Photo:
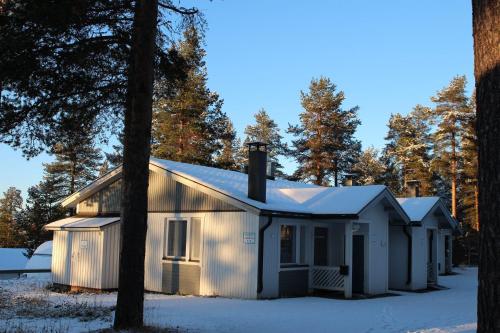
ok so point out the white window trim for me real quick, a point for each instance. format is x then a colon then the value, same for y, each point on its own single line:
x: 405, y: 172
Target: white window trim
x: 187, y: 258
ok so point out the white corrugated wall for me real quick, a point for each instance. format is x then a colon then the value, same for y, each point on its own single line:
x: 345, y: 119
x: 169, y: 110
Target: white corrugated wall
x: 154, y: 252
x: 86, y: 259
x: 61, y: 257
x: 111, y: 251
x: 228, y: 265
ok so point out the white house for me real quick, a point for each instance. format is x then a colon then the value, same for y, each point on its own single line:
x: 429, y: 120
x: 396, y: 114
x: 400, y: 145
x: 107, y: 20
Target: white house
x: 423, y: 250
x: 226, y: 233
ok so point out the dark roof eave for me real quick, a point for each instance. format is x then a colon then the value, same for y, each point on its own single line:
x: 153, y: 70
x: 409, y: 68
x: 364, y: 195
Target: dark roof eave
x: 274, y: 213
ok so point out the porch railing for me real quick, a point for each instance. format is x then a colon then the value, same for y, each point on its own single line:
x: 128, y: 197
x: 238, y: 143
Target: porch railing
x: 327, y: 277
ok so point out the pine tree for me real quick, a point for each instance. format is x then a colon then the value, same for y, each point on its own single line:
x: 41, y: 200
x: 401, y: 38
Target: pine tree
x: 228, y: 156
x: 325, y: 146
x: 77, y: 162
x: 485, y: 23
x: 10, y: 205
x: 369, y: 169
x: 265, y: 130
x: 452, y: 108
x: 42, y: 207
x: 94, y: 60
x: 115, y: 157
x: 407, y: 153
x: 469, y: 194
x: 188, y: 122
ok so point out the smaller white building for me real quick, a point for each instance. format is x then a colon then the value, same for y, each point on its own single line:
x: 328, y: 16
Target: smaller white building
x: 85, y: 252
x: 41, y: 259
x: 422, y: 251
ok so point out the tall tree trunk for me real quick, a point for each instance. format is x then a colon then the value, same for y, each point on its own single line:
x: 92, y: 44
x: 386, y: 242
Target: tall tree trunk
x: 476, y: 207
x: 130, y: 302
x: 453, y: 175
x: 486, y: 31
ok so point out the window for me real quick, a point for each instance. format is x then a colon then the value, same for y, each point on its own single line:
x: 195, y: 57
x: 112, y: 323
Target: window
x: 293, y: 244
x: 176, y: 238
x: 183, y: 239
x: 194, y: 241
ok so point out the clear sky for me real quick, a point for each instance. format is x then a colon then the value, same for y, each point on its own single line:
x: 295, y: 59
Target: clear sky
x: 386, y: 56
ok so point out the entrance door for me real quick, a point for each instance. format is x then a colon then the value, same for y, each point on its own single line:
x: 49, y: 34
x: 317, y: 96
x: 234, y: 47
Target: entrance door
x: 320, y: 246
x: 358, y: 264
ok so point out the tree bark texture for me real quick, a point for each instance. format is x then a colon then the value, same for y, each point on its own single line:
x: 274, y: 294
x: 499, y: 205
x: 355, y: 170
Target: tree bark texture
x: 486, y: 31
x: 137, y: 138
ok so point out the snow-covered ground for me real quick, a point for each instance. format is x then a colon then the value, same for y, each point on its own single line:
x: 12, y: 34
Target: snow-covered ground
x: 451, y: 310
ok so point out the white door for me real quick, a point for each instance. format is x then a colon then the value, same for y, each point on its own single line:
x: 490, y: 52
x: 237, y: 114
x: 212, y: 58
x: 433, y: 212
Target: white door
x: 75, y: 256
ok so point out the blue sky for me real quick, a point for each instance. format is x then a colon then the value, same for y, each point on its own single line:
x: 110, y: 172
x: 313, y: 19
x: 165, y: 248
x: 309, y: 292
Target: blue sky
x: 386, y: 56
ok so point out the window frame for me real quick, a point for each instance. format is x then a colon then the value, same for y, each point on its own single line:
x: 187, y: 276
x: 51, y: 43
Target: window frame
x: 299, y: 228
x: 187, y: 254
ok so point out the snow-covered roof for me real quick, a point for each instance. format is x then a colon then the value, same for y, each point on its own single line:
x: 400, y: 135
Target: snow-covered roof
x: 12, y: 258
x: 81, y: 223
x: 44, y: 249
x: 417, y: 208
x: 281, y: 195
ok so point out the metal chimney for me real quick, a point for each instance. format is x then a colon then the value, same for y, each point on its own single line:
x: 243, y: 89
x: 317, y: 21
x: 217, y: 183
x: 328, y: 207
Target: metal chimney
x: 257, y: 165
x: 413, y: 188
x: 271, y: 170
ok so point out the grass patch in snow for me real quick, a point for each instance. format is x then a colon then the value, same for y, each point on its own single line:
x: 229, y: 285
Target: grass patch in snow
x: 38, y: 306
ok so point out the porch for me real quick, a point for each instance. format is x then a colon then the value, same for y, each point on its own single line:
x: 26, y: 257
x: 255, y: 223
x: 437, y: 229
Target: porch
x: 329, y: 255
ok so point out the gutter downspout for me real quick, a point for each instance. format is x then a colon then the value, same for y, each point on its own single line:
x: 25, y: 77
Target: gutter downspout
x: 410, y: 245
x: 260, y: 284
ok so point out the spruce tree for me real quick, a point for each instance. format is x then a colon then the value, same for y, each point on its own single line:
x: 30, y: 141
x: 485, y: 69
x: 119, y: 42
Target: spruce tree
x: 408, y: 150
x: 10, y: 206
x: 325, y: 146
x: 188, y: 123
x: 265, y: 130
x: 369, y: 169
x: 452, y: 108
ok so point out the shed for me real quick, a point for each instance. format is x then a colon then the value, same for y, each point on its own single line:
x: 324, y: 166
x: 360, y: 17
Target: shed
x: 86, y: 252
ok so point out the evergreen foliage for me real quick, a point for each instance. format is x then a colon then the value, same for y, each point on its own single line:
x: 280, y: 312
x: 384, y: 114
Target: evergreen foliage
x: 325, y: 146
x: 451, y: 110
x: 229, y: 156
x: 10, y: 206
x: 469, y: 193
x: 407, y: 153
x: 77, y: 162
x: 369, y: 169
x: 42, y: 207
x: 188, y: 123
x: 265, y: 130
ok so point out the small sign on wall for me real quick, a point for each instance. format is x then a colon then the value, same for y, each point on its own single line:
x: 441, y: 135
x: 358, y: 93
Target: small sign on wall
x: 249, y: 237
x: 84, y: 244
